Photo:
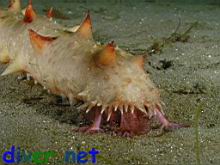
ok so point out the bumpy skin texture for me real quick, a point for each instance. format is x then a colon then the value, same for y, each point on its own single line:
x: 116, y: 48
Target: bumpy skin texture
x: 14, y: 30
x: 110, y: 82
x: 124, y: 83
x: 70, y: 66
x: 14, y: 33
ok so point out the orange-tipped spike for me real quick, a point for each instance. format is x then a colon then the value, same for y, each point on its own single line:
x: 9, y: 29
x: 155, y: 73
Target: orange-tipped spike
x: 107, y: 56
x: 38, y: 41
x: 85, y: 28
x: 14, y: 6
x: 139, y: 60
x: 30, y: 14
x: 50, y: 13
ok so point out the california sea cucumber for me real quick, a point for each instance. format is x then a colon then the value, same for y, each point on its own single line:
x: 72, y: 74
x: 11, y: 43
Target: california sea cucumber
x: 111, y: 83
x: 14, y: 30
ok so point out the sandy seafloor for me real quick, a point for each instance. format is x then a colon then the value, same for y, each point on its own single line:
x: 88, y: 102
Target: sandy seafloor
x: 189, y: 84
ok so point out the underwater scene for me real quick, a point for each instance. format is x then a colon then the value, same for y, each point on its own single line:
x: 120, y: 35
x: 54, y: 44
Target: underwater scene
x: 110, y: 82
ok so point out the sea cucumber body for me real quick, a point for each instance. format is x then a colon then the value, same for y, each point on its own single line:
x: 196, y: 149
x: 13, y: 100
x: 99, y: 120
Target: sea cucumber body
x: 67, y: 67
x: 14, y: 34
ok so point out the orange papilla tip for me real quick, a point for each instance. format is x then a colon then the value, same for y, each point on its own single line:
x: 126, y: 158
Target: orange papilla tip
x: 10, y: 4
x: 50, y: 13
x: 107, y: 56
x: 30, y: 2
x: 111, y: 47
x: 85, y: 28
x: 88, y: 20
x: 30, y: 14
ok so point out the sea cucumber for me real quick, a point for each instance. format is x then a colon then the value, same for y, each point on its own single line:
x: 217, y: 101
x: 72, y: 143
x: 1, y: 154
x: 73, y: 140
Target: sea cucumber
x: 111, y: 83
x: 14, y: 30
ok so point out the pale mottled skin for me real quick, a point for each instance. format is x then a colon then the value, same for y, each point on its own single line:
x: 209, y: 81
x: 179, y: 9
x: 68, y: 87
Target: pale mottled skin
x: 67, y: 67
x: 14, y: 33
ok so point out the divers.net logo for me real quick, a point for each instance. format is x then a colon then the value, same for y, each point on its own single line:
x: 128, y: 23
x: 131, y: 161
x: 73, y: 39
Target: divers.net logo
x: 19, y: 156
